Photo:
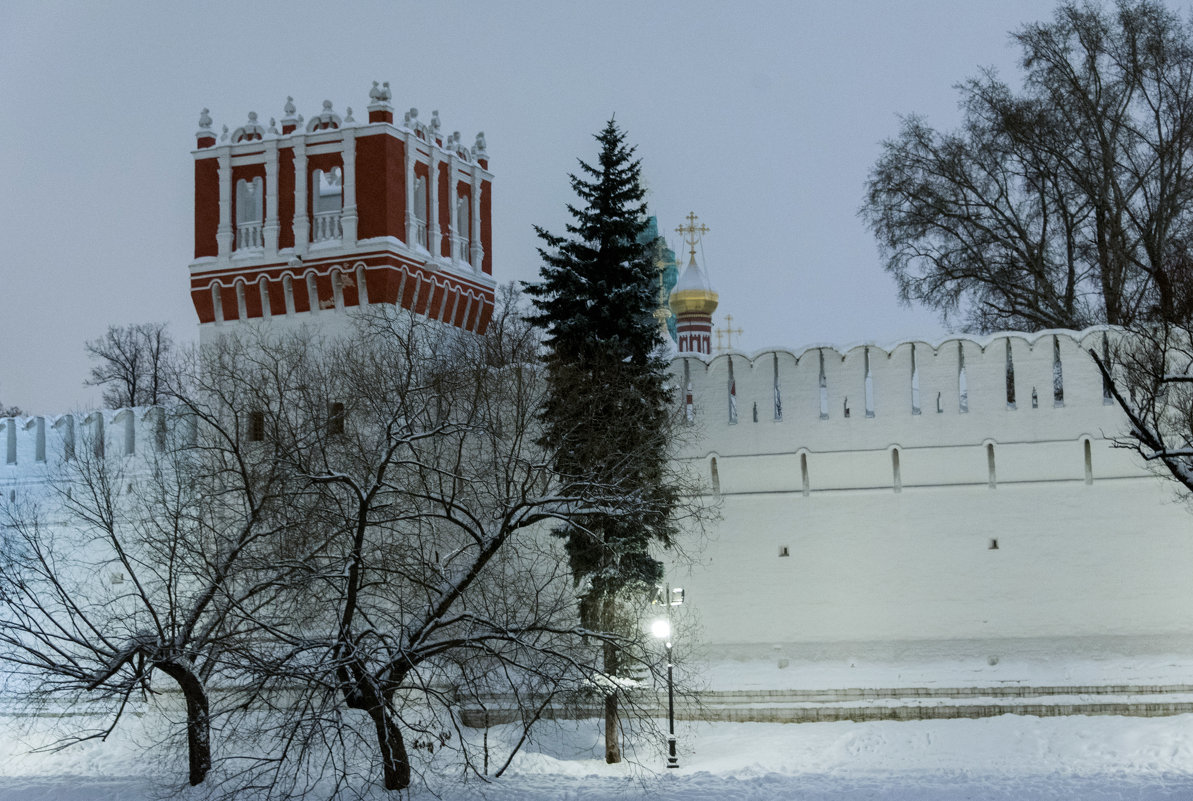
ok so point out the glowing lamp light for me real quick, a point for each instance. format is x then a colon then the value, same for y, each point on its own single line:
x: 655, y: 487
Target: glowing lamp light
x: 661, y: 628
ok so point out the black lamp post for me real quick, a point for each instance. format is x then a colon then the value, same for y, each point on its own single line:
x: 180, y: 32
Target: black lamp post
x: 662, y: 629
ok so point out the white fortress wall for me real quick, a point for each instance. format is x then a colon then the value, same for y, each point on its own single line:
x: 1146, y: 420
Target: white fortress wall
x: 961, y: 521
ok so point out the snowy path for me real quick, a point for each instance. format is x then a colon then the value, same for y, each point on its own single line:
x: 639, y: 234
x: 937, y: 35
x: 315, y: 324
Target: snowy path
x: 1009, y: 758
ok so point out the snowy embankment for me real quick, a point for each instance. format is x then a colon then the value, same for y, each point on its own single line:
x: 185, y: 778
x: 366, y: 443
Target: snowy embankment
x: 1001, y: 759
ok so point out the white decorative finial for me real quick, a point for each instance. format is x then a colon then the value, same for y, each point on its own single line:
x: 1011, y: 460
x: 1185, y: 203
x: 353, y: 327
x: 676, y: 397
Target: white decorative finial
x: 375, y: 93
x: 435, y: 121
x: 386, y: 94
x: 251, y: 131
x: 325, y: 120
x: 205, y: 119
x: 273, y: 125
x: 289, y: 108
x: 348, y: 115
x: 478, y: 149
x: 224, y: 136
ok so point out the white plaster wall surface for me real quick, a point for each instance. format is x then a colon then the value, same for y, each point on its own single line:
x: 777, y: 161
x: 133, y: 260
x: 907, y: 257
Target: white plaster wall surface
x: 1087, y: 547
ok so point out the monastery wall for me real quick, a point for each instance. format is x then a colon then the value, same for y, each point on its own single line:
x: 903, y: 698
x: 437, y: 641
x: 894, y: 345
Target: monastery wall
x: 934, y: 508
x: 31, y: 446
x: 973, y: 519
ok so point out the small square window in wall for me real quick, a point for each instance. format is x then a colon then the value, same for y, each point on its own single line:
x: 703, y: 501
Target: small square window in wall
x: 784, y: 551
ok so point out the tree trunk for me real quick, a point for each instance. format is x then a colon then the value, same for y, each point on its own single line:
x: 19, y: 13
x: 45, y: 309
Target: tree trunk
x: 612, y: 664
x: 361, y: 693
x: 198, y: 720
x: 612, y: 730
x: 395, y: 762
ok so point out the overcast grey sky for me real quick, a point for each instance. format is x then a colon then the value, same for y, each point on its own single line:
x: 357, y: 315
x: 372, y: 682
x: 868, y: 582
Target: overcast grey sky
x: 762, y: 117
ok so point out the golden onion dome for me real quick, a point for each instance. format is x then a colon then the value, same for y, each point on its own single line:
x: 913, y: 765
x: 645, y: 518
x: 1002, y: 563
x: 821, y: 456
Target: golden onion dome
x: 692, y: 294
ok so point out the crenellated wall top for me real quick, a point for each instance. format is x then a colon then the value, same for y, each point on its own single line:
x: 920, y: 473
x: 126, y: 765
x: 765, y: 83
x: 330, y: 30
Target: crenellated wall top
x: 958, y: 389
x: 1086, y: 338
x: 31, y: 445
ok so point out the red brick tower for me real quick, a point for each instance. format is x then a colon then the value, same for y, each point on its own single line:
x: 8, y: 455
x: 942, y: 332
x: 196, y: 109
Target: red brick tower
x: 336, y: 213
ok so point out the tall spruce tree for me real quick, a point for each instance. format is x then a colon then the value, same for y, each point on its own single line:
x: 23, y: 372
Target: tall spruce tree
x: 607, y: 414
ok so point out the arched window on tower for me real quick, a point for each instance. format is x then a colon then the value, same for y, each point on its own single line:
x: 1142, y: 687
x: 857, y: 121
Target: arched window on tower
x: 250, y: 213
x: 420, y: 211
x: 328, y: 202
x: 464, y: 232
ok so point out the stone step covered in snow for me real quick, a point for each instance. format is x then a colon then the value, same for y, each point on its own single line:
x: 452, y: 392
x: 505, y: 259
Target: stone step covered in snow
x: 870, y: 704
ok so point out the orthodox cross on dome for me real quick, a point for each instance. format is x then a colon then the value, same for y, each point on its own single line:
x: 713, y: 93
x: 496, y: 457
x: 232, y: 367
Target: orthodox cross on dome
x: 692, y: 233
x: 727, y: 333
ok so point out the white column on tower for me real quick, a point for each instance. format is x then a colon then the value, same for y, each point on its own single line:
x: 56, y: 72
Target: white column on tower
x: 433, y: 243
x: 478, y: 252
x: 272, y: 226
x: 223, y: 236
x: 452, y: 216
x: 302, y: 223
x: 348, y: 217
x: 411, y: 224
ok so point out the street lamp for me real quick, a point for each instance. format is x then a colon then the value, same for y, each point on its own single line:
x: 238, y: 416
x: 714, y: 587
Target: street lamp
x: 661, y: 628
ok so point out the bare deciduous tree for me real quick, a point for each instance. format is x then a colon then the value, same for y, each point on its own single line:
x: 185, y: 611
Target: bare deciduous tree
x: 1063, y: 204
x: 353, y: 542
x: 126, y: 566
x: 132, y: 364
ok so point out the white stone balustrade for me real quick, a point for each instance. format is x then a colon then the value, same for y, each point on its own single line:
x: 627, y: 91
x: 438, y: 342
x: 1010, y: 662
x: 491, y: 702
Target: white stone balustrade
x: 250, y: 236
x: 326, y: 226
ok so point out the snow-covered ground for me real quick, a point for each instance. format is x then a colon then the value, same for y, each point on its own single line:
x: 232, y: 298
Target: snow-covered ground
x: 1008, y: 758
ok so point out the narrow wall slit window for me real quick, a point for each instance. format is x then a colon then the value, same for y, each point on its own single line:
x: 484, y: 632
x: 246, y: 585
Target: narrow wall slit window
x: 778, y: 390
x: 715, y: 476
x: 823, y: 389
x: 732, y: 393
x: 1058, y: 378
x: 806, y: 485
x: 1107, y: 395
x: 915, y: 383
x: 962, y: 380
x: 1089, y: 462
x: 897, y: 473
x: 869, y: 384
x: 992, y: 479
x: 1010, y: 377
